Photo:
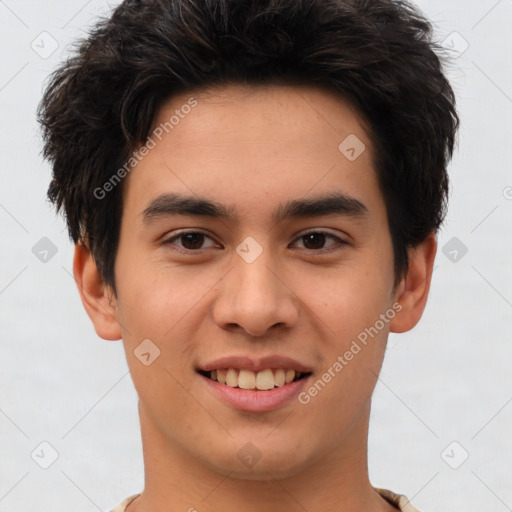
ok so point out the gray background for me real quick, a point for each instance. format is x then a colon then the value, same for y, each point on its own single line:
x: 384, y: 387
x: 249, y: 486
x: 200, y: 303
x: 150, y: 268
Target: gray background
x: 445, y: 391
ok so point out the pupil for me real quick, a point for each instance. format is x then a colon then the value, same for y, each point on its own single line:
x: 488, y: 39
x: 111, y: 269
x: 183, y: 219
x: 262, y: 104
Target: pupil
x: 315, y: 239
x: 192, y: 240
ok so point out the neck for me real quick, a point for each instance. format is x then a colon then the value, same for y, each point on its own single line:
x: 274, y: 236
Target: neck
x: 175, y: 480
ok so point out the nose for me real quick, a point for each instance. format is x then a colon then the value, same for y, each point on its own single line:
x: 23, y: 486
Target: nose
x: 255, y: 298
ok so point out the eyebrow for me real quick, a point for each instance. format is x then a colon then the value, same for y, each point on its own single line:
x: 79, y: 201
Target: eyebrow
x: 329, y: 204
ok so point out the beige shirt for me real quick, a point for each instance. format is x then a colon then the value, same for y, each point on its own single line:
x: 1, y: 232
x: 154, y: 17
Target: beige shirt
x: 398, y: 500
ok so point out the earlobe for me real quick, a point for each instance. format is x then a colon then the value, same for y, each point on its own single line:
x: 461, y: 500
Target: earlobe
x: 96, y: 296
x: 412, y: 292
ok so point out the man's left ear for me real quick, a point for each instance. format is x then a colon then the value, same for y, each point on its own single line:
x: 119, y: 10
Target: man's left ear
x: 412, y: 292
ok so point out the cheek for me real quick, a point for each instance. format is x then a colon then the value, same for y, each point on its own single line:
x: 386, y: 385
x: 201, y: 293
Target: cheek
x: 347, y: 299
x: 169, y: 308
x: 352, y: 347
x: 349, y: 303
x: 156, y: 307
x: 154, y: 296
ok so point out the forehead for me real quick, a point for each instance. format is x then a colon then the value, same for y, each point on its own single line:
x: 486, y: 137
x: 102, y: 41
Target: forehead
x: 253, y: 145
x: 301, y: 115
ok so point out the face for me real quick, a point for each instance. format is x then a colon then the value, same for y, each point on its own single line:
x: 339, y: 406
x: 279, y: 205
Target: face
x: 255, y: 251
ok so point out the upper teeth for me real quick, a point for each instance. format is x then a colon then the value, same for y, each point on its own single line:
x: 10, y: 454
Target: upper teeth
x: 246, y: 379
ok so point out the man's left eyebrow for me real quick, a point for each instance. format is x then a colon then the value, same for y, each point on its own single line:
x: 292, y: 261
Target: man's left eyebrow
x: 332, y: 204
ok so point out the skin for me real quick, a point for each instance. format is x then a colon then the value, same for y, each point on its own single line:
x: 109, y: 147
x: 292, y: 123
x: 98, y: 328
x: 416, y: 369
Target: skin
x: 250, y: 149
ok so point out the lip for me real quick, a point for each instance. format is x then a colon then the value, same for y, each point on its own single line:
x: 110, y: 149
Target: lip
x: 255, y: 365
x: 255, y: 401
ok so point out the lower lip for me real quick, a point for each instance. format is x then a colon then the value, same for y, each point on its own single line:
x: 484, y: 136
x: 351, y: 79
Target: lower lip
x: 255, y: 401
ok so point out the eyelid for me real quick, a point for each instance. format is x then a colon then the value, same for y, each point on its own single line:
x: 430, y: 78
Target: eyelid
x: 168, y: 240
x: 322, y: 231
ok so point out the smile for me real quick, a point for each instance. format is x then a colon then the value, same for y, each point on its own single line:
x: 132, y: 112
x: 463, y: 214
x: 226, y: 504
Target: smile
x: 263, y: 380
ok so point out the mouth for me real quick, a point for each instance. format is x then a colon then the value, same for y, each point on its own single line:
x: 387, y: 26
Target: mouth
x: 264, y: 380
x: 258, y: 385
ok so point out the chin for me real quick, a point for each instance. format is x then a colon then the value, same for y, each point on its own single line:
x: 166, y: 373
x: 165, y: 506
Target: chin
x: 263, y: 465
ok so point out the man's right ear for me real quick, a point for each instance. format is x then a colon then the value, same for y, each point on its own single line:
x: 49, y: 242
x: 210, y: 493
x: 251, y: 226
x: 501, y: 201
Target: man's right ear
x: 97, y: 297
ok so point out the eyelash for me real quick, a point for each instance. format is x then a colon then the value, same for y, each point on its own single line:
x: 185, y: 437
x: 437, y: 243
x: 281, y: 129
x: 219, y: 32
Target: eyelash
x: 340, y: 242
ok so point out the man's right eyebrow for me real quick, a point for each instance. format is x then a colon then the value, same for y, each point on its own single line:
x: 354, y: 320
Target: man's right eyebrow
x: 177, y: 204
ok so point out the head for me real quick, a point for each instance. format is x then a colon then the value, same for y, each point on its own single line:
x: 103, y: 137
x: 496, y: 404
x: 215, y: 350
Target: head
x: 313, y: 136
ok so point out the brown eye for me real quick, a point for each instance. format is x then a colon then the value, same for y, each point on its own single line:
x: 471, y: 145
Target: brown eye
x: 319, y: 241
x: 191, y: 241
x: 314, y: 240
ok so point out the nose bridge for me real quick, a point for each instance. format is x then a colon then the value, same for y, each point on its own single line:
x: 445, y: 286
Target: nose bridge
x: 254, y: 297
x: 256, y: 282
